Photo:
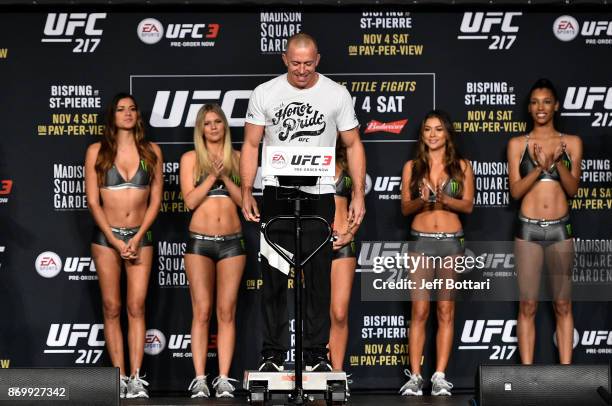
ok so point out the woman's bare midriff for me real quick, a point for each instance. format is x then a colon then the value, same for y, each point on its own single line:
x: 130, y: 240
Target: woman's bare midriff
x: 436, y: 221
x: 215, y: 216
x: 124, y: 207
x: 546, y: 200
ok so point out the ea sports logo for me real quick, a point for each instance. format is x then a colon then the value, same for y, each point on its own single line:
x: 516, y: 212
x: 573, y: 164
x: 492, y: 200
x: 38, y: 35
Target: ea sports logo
x: 565, y: 28
x: 575, y: 340
x: 155, y: 342
x: 48, y: 264
x: 279, y: 160
x: 150, y: 31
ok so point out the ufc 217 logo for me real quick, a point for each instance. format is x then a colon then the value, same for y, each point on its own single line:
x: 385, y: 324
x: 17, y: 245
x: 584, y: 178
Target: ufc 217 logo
x: 583, y: 100
x: 481, y: 25
x: 85, y: 339
x: 479, y: 334
x: 82, y: 29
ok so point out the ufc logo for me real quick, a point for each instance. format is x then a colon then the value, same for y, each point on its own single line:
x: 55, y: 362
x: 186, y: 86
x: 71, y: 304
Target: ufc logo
x: 483, y: 331
x: 311, y: 159
x: 192, y: 101
x: 373, y: 249
x: 179, y: 341
x: 584, y: 98
x: 387, y: 183
x: 596, y: 28
x: 78, y: 264
x: 596, y: 337
x: 68, y: 335
x: 481, y: 22
x: 6, y: 186
x: 505, y: 260
x: 195, y: 31
x: 64, y: 24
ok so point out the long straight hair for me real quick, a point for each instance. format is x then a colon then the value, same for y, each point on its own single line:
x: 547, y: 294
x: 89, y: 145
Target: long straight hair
x: 452, y: 160
x: 203, y: 161
x: 108, y: 144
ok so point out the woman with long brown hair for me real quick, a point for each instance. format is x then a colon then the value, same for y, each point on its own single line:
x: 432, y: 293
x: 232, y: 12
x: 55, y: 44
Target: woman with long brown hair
x: 215, y: 254
x: 544, y: 171
x: 436, y: 186
x: 123, y: 182
x: 344, y: 261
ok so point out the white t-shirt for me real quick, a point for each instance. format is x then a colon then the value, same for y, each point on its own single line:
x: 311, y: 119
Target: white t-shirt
x: 302, y: 117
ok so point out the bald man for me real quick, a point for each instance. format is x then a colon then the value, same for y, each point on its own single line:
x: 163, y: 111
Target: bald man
x: 299, y: 108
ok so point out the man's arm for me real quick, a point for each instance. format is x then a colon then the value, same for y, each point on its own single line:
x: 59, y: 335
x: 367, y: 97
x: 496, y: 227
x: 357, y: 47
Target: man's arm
x: 248, y: 169
x: 355, y: 154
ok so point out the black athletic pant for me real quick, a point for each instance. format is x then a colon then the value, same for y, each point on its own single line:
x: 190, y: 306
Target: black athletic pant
x: 316, y: 293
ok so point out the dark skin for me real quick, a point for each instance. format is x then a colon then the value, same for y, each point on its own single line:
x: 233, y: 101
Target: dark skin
x: 543, y: 200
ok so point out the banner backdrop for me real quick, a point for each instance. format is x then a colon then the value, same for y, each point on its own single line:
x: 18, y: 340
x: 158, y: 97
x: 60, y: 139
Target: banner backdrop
x: 59, y: 69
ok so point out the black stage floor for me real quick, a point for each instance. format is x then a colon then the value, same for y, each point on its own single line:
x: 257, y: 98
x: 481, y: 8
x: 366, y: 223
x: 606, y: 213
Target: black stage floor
x: 356, y: 399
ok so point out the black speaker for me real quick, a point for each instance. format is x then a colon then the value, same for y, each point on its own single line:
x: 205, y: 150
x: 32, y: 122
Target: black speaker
x: 542, y: 385
x: 59, y: 386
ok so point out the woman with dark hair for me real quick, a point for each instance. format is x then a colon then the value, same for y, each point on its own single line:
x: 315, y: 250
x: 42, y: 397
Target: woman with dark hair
x: 436, y: 186
x: 215, y: 254
x: 123, y: 182
x: 544, y: 171
x: 344, y: 261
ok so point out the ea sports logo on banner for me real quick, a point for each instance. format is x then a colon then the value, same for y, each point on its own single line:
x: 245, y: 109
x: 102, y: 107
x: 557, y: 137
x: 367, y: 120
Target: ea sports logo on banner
x: 48, y: 264
x: 279, y: 160
x: 155, y: 342
x: 566, y: 28
x: 575, y: 340
x: 150, y: 31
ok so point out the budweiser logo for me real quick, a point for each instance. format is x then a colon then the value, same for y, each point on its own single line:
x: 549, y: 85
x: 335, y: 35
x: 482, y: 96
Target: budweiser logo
x: 394, y: 127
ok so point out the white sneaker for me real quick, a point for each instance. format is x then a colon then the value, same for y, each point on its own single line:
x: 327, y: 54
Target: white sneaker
x: 414, y: 386
x: 136, y: 387
x: 439, y: 385
x: 123, y: 386
x: 199, y: 388
x: 223, y: 387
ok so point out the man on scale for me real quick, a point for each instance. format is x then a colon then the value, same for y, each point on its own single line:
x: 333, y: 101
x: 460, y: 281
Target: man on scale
x: 301, y: 108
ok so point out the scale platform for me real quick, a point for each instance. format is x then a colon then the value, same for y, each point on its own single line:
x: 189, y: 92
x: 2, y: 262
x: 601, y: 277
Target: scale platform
x: 279, y: 386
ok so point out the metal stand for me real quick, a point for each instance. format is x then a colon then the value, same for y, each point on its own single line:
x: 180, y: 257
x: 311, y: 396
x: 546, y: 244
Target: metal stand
x: 262, y: 386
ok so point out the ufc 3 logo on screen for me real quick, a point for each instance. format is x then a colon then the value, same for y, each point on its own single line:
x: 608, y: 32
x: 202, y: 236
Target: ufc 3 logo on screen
x: 498, y: 336
x: 84, y: 339
x: 498, y: 27
x: 589, y: 101
x: 151, y: 31
x: 185, y: 105
x: 299, y: 161
x: 82, y: 29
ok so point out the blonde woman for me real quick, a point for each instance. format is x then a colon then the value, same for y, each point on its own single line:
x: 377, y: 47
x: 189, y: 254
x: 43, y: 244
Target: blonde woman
x: 215, y: 255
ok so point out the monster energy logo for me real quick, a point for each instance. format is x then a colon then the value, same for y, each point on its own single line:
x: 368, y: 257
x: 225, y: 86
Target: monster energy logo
x: 348, y: 182
x: 568, y: 227
x: 454, y: 187
x: 149, y: 236
x: 567, y: 163
x: 236, y: 179
x: 143, y: 164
